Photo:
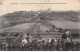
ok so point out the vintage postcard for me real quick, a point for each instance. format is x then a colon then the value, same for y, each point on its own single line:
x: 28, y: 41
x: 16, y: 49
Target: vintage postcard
x: 39, y: 25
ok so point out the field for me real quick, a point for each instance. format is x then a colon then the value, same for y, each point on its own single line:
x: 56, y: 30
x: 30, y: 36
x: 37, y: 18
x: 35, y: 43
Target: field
x: 66, y: 24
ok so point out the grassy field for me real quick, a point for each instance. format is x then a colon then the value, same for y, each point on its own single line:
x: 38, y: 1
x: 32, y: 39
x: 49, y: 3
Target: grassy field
x: 66, y: 24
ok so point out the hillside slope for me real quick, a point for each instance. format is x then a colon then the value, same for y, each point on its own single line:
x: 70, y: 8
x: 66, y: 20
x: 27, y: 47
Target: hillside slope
x: 20, y: 17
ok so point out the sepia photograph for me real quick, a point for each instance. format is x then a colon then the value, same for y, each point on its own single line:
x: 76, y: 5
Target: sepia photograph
x: 39, y: 25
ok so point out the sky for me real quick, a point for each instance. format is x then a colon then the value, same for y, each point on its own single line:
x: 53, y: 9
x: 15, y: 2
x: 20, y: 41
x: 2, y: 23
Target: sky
x: 10, y: 6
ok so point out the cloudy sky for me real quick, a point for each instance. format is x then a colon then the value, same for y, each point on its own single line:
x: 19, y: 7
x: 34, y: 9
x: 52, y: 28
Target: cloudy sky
x: 10, y: 6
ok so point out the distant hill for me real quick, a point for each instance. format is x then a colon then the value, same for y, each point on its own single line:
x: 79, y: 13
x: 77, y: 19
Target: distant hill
x: 20, y: 17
